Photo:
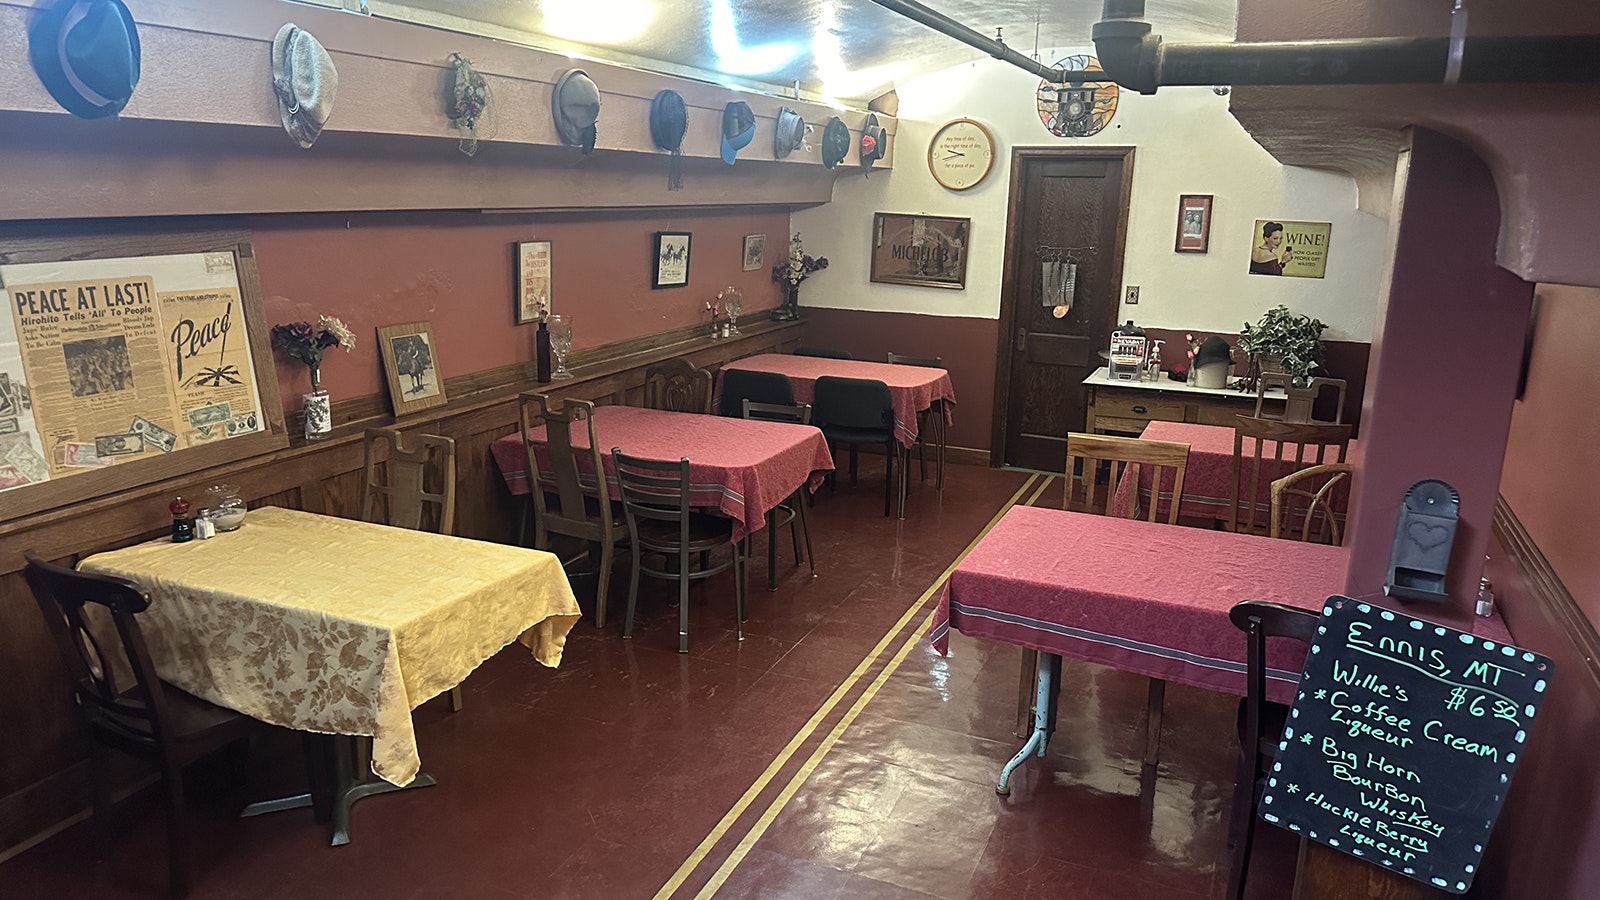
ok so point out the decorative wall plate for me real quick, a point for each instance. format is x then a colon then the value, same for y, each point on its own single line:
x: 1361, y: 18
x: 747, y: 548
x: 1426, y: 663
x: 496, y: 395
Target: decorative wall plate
x: 1077, y: 110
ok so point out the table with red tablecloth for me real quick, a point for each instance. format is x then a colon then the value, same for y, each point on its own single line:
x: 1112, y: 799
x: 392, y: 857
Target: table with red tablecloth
x: 1208, y: 479
x: 912, y: 389
x: 742, y: 467
x: 1144, y: 597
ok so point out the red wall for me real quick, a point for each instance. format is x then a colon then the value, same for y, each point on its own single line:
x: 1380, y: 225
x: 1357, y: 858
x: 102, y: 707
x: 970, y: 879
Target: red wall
x: 455, y: 271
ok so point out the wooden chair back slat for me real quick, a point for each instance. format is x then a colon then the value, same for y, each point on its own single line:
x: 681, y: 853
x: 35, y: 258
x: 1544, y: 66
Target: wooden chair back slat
x: 676, y: 385
x: 417, y: 483
x: 1085, y: 453
x: 1294, y: 446
x: 583, y: 512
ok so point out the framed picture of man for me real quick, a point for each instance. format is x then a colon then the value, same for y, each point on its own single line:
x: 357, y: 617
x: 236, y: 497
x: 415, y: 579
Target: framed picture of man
x: 671, y: 259
x: 411, y: 364
x: 1194, y: 224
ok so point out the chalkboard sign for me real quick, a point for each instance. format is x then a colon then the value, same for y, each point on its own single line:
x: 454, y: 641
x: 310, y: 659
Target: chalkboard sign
x: 1402, y: 740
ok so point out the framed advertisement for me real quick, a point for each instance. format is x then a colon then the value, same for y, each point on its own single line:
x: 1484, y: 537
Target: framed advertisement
x: 671, y: 259
x: 411, y: 366
x: 929, y: 251
x: 755, y: 251
x: 1294, y: 249
x: 1194, y: 224
x: 533, y: 281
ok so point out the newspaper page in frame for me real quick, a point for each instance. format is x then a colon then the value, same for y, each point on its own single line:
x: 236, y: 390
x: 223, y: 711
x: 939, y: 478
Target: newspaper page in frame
x: 121, y: 359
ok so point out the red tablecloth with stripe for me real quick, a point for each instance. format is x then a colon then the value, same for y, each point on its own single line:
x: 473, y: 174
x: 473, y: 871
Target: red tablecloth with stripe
x: 912, y: 389
x: 742, y: 467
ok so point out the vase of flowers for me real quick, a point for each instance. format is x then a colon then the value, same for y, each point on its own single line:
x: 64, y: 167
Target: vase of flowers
x: 305, y: 342
x: 789, y: 273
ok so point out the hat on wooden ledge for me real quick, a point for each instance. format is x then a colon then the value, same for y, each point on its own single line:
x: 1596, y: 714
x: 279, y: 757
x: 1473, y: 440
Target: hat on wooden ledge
x: 788, y: 133
x: 738, y: 129
x: 86, y: 53
x: 874, y: 140
x: 835, y: 142
x: 305, y: 81
x: 669, y: 122
x: 576, y: 104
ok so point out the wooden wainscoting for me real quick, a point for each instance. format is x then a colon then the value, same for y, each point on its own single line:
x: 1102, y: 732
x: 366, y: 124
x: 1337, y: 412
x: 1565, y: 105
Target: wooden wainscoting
x: 41, y: 745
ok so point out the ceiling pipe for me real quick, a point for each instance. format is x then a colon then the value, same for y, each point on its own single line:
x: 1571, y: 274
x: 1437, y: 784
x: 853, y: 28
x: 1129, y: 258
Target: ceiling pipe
x: 1138, y: 60
x: 993, y: 46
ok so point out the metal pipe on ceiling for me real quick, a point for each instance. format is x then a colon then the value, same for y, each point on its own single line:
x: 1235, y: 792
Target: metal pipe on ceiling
x: 993, y: 46
x: 1138, y: 60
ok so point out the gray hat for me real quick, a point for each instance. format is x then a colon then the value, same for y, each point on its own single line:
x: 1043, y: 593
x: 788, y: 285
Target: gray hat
x: 305, y: 81
x: 789, y: 133
x: 576, y: 102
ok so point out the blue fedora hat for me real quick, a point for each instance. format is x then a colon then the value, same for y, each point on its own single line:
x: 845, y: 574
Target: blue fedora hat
x: 86, y: 52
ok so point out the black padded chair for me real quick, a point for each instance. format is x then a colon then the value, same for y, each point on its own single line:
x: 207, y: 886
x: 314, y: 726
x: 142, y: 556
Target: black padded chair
x: 928, y: 420
x: 860, y: 411
x: 147, y: 718
x: 1260, y: 721
x: 655, y: 501
x: 823, y: 352
x: 739, y: 385
x: 792, y: 513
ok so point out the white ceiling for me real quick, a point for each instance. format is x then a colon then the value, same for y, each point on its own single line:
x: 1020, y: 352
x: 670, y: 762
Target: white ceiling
x: 843, y: 49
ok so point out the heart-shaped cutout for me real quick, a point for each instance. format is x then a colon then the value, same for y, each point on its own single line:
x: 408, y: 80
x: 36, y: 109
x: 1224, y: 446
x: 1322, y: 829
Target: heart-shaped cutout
x: 1427, y: 536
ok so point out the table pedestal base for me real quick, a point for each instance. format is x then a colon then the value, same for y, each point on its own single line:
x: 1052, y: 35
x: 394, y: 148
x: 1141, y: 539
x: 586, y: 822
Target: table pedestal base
x: 1044, y: 720
x: 332, y: 761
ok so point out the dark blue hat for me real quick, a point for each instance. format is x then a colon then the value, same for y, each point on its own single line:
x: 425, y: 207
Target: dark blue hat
x: 835, y: 142
x: 86, y: 52
x: 738, y: 129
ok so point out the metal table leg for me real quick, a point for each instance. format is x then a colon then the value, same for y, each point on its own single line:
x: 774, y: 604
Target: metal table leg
x: 1044, y: 720
x: 333, y: 761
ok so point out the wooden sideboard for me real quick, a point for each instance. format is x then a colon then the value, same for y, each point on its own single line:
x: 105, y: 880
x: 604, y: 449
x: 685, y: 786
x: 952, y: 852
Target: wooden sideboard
x: 1125, y: 407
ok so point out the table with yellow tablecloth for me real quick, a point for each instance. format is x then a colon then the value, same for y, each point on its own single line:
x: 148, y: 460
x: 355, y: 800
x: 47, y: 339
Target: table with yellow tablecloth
x: 337, y: 626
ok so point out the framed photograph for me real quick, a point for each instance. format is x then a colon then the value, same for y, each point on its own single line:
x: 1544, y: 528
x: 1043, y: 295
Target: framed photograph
x: 755, y: 251
x: 411, y: 362
x: 1292, y: 249
x: 533, y: 281
x: 930, y: 251
x: 1194, y: 224
x: 672, y: 259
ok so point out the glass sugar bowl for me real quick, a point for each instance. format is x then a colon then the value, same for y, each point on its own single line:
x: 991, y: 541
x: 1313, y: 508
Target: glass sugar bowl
x: 224, y: 507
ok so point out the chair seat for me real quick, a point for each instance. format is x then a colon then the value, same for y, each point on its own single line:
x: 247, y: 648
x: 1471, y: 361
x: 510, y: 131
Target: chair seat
x: 189, y: 718
x: 706, y: 532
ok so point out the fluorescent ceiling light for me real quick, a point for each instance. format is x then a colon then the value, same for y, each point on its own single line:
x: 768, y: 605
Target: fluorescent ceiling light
x: 600, y: 22
x: 736, y: 59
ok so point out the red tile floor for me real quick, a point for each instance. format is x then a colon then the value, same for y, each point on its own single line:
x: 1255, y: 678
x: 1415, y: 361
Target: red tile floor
x: 832, y: 754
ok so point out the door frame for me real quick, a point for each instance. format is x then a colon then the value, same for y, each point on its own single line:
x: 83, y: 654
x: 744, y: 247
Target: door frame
x: 1021, y: 159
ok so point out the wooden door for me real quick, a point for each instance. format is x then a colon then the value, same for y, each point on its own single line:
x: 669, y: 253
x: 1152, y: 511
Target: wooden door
x: 1072, y: 203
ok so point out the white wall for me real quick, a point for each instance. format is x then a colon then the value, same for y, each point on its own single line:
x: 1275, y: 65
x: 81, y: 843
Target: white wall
x: 1187, y: 143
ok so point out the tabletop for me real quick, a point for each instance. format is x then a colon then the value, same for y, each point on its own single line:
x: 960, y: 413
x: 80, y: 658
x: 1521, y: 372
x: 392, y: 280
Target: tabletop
x: 911, y: 388
x: 1208, y: 480
x: 743, y: 467
x: 338, y: 626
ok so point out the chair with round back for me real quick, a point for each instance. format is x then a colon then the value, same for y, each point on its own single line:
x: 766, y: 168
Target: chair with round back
x: 124, y: 703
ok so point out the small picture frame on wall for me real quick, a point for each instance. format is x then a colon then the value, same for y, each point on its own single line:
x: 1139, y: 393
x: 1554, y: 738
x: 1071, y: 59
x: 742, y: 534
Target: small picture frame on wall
x: 533, y: 281
x: 755, y: 251
x: 671, y: 259
x: 411, y: 365
x: 1194, y: 224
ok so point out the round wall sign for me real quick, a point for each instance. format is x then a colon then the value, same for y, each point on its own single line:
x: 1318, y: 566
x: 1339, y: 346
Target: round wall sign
x: 1077, y: 110
x: 960, y: 154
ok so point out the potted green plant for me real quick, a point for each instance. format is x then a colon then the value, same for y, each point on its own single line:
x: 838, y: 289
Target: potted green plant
x: 1284, y: 341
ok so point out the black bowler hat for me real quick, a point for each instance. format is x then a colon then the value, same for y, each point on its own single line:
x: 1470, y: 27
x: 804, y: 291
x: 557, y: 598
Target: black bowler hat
x: 86, y: 52
x: 835, y: 142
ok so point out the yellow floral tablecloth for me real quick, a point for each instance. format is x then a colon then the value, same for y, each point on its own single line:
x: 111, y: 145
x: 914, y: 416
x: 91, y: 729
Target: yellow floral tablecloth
x: 337, y: 626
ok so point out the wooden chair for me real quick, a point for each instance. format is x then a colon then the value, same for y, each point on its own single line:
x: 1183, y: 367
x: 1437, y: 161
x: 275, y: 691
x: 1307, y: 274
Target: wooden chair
x: 1293, y: 446
x: 854, y: 411
x: 656, y: 505
x: 1299, y: 402
x: 147, y: 718
x: 822, y: 352
x: 677, y: 386
x: 1260, y: 722
x: 402, y: 482
x: 1085, y: 453
x: 580, y: 511
x: 930, y: 419
x: 794, y: 511
x: 739, y: 385
x: 1320, y: 521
